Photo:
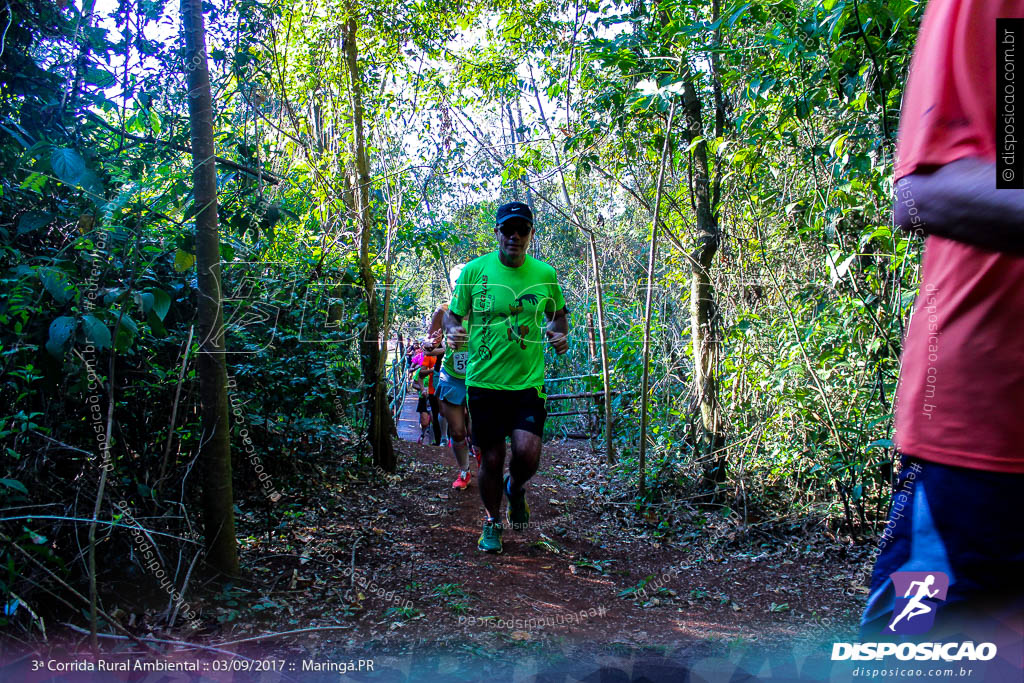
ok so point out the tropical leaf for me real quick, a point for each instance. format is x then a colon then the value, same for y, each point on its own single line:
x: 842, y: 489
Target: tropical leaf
x: 55, y: 283
x: 67, y: 164
x: 31, y: 221
x: 161, y: 302
x: 95, y: 331
x: 61, y: 331
x: 14, y: 484
x: 183, y: 261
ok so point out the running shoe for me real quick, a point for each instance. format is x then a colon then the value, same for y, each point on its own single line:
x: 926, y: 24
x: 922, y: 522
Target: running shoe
x: 463, y: 480
x: 479, y: 457
x: 490, y: 538
x: 518, y: 511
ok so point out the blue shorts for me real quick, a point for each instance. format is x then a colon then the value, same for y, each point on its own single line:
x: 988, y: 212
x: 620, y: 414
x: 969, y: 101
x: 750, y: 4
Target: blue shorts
x: 451, y: 389
x: 965, y: 524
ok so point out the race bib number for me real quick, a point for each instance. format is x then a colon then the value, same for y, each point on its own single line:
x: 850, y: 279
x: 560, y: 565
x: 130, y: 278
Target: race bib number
x: 459, y: 361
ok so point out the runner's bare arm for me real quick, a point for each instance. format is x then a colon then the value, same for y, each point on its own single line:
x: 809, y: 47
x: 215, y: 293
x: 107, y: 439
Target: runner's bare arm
x: 454, y: 330
x: 434, y: 333
x: 960, y: 201
x: 558, y: 330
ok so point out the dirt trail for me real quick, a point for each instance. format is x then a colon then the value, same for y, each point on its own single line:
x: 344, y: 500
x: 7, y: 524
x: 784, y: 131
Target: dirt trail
x: 390, y: 562
x: 577, y: 559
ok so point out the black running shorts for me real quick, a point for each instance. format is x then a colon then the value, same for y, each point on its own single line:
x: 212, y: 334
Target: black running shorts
x: 497, y: 412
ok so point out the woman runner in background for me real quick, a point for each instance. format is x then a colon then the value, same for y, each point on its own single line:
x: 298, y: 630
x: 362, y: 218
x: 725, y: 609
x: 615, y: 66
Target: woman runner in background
x: 416, y: 374
x: 451, y: 391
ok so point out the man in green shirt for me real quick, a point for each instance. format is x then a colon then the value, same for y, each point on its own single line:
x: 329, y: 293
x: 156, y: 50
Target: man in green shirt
x: 500, y: 297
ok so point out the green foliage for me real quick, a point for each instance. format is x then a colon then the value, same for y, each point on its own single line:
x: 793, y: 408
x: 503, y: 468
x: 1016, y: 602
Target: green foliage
x: 97, y: 261
x: 466, y: 105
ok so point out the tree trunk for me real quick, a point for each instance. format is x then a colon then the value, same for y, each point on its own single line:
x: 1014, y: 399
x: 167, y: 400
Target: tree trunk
x: 609, y: 448
x: 215, y: 454
x: 522, y: 138
x: 372, y: 355
x: 335, y: 310
x: 703, y: 311
x: 512, y: 149
x: 82, y: 29
x: 385, y: 333
x: 652, y: 256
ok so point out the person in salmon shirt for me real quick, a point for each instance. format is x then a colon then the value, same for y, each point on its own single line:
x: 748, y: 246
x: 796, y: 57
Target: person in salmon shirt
x: 957, y: 506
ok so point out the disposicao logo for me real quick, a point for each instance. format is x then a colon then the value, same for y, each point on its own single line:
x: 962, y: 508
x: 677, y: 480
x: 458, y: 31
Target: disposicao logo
x: 915, y: 612
x: 918, y: 595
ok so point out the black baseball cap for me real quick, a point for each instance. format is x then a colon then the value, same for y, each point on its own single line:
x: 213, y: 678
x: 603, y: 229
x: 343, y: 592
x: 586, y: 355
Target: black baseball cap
x: 512, y: 210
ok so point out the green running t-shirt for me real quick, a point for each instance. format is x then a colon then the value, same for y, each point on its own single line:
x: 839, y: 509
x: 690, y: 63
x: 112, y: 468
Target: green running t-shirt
x: 503, y: 309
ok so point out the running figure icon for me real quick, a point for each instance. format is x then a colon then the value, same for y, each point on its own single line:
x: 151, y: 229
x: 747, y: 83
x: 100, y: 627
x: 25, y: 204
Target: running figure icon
x: 916, y: 607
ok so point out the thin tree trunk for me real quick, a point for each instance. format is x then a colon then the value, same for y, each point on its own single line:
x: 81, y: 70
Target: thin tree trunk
x: 381, y: 423
x: 652, y: 255
x: 522, y: 138
x: 591, y: 338
x: 514, y: 138
x: 534, y: 244
x: 394, y: 216
x: 174, y: 410
x: 335, y: 292
x: 81, y: 37
x: 442, y: 263
x: 609, y: 448
x: 215, y: 449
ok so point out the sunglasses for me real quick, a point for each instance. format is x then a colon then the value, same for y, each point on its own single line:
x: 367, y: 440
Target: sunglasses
x: 516, y: 227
